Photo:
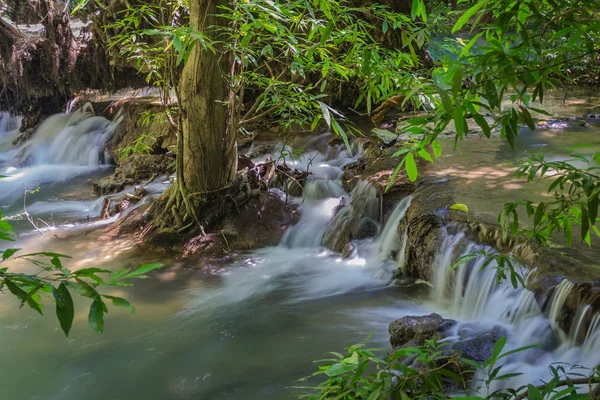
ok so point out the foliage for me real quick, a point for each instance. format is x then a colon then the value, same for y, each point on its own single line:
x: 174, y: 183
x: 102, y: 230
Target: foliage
x: 296, y: 54
x: 575, y: 190
x: 57, y: 282
x: 528, y: 48
x: 290, y: 57
x: 144, y: 144
x: 432, y: 371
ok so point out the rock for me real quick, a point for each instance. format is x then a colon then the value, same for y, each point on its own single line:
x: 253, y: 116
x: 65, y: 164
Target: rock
x: 415, y: 331
x: 109, y: 185
x: 385, y: 136
x: 135, y: 169
x: 366, y: 228
x: 140, y: 191
x: 480, y: 347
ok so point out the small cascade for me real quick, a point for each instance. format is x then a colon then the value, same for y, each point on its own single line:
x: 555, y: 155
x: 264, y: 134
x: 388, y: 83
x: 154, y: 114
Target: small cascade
x: 389, y: 242
x: 361, y: 209
x: 471, y: 292
x: 322, y: 198
x: 69, y: 139
x: 9, y: 123
x: 578, y: 323
x: 591, y: 344
x: 62, y: 147
x: 560, y: 296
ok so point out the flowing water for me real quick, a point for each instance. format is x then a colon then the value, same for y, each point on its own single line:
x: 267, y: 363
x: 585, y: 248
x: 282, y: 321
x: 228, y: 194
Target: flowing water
x: 246, y: 326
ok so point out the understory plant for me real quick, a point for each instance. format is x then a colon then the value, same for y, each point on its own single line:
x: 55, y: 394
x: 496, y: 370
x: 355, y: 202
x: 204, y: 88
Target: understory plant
x: 434, y: 371
x: 56, y: 282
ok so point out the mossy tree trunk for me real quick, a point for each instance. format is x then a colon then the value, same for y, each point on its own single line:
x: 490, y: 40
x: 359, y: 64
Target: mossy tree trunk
x: 209, y: 158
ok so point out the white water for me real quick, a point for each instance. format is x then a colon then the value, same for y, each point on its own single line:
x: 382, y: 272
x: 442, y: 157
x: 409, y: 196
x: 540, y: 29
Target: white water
x: 475, y: 296
x: 62, y: 147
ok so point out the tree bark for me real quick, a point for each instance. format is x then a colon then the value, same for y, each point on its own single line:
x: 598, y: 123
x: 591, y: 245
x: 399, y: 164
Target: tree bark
x: 62, y: 46
x: 209, y: 153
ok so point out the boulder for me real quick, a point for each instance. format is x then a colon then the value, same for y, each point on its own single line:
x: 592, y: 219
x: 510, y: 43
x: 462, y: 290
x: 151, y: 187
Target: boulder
x: 386, y: 137
x: 414, y: 331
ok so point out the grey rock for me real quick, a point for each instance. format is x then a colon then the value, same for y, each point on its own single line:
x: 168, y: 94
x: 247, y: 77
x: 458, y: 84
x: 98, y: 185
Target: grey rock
x: 416, y: 330
x: 384, y: 135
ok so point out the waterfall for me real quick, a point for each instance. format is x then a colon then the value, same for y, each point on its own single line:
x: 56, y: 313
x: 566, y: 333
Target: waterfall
x: 389, y: 242
x: 62, y: 147
x: 591, y: 344
x: 560, y: 296
x: 322, y: 198
x: 578, y: 323
x: 69, y: 139
x: 361, y: 206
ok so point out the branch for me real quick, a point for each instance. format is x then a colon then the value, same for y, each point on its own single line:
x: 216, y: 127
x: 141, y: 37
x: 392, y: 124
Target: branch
x: 259, y: 116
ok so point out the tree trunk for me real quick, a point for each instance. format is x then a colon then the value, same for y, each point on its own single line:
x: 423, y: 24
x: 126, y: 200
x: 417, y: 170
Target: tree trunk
x: 209, y: 153
x: 62, y: 46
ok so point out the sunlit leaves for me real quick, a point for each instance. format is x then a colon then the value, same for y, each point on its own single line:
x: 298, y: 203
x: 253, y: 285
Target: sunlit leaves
x: 467, y: 15
x: 411, y: 167
x: 59, y: 282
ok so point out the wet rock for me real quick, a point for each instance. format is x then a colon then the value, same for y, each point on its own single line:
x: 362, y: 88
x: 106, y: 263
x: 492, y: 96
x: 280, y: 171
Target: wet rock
x: 135, y: 169
x: 346, y: 223
x: 480, y: 347
x: 366, y: 228
x: 415, y: 331
x: 140, y: 191
x: 261, y: 222
x: 386, y: 137
x: 109, y: 185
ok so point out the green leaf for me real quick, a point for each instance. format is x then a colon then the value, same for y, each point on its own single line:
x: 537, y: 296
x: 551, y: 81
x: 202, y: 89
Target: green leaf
x: 437, y: 148
x: 340, y: 369
x: 459, y: 121
x: 141, y: 271
x: 120, y: 302
x: 467, y: 15
x: 88, y: 271
x: 411, y: 167
x: 497, y: 349
x: 568, y: 230
x: 425, y: 154
x: 9, y: 253
x: 457, y: 80
x: 585, y: 222
x: 534, y: 393
x: 65, y: 310
x: 459, y: 207
x: 326, y: 113
x: 539, y: 213
x: 96, y: 315
x: 177, y: 43
x: 446, y: 101
x: 593, y: 209
x: 23, y: 295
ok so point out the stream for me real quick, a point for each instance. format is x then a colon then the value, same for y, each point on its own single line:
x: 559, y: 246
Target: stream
x: 249, y: 325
